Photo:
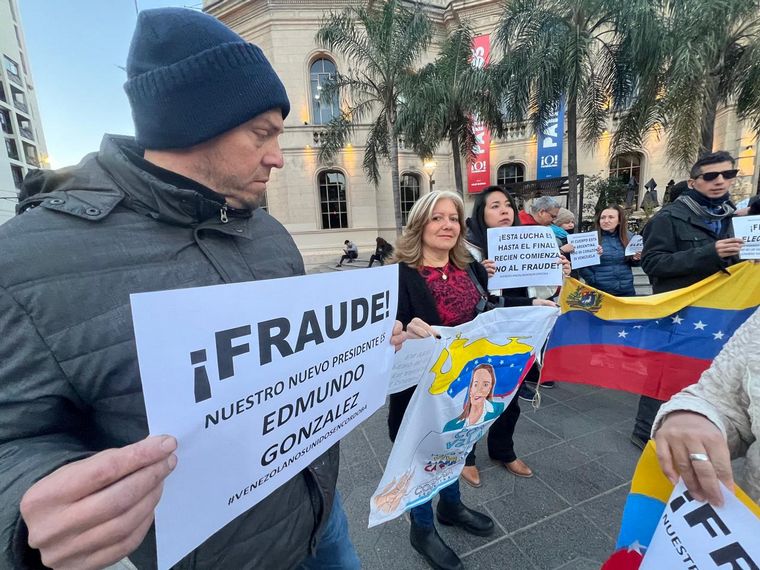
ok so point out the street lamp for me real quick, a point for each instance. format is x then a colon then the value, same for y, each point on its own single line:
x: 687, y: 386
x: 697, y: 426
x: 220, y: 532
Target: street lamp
x: 429, y: 166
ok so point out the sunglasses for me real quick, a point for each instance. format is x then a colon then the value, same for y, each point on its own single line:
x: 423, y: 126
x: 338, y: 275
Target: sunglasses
x: 727, y: 175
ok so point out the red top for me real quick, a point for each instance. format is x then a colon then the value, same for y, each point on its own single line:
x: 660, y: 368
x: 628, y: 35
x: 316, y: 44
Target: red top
x: 526, y: 219
x: 455, y: 297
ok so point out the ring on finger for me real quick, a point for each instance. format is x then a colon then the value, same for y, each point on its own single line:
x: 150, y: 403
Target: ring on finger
x: 699, y: 457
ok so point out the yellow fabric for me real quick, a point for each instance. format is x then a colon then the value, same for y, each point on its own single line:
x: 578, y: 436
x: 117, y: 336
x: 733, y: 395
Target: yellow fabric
x: 736, y: 290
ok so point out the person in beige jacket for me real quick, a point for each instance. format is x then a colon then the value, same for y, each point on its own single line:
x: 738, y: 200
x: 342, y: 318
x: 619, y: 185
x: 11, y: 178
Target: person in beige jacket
x: 704, y: 426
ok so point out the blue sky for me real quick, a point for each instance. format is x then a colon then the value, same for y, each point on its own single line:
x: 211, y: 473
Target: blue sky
x: 74, y: 50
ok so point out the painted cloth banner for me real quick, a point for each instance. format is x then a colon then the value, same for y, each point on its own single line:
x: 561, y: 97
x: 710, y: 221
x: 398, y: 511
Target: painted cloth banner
x: 550, y: 143
x: 468, y: 379
x: 645, y: 535
x: 256, y: 380
x: 479, y: 169
x: 654, y: 345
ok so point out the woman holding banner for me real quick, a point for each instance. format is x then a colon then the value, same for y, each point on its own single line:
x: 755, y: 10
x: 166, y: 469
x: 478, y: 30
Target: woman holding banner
x: 439, y: 284
x: 613, y: 275
x: 496, y: 208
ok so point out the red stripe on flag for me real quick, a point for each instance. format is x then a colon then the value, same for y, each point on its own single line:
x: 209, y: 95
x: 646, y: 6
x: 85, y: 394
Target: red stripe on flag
x: 655, y: 374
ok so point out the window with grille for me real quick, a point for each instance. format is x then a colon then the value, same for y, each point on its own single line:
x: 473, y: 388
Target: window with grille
x: 410, y: 193
x: 323, y: 109
x: 332, y: 200
x: 510, y: 173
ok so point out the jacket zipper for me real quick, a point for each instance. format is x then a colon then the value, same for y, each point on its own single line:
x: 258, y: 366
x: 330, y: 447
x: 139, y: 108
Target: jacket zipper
x: 223, y: 214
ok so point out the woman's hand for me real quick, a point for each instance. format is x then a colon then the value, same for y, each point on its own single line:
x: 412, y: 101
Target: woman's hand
x: 683, y: 433
x: 599, y: 250
x: 543, y: 303
x: 397, y: 335
x: 566, y: 267
x: 637, y: 256
x: 417, y: 328
x: 567, y: 248
x: 490, y: 267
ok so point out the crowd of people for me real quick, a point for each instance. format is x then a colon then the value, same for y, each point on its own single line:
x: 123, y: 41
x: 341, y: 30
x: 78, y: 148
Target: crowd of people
x: 176, y: 206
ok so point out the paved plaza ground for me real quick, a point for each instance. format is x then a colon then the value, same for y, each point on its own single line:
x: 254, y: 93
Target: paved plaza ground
x: 565, y: 517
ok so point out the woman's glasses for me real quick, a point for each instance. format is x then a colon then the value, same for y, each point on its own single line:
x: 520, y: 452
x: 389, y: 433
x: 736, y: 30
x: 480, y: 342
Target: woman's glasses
x: 727, y: 175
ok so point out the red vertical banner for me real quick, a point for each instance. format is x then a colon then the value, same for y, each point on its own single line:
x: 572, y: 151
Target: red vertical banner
x: 479, y: 169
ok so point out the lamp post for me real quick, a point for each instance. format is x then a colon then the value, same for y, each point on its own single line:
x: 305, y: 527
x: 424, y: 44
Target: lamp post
x: 429, y: 166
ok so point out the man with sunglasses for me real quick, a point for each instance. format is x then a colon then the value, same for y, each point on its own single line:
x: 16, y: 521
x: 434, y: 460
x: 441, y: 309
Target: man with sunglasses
x: 688, y: 240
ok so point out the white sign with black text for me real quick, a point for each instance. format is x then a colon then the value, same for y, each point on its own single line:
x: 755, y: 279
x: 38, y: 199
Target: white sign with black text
x: 748, y: 228
x: 256, y: 380
x: 692, y: 534
x: 586, y: 251
x: 524, y: 256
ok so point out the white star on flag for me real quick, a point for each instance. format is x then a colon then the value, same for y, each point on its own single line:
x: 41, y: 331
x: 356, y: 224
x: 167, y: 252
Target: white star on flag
x: 700, y: 325
x: 677, y: 320
x: 718, y: 335
x: 622, y: 334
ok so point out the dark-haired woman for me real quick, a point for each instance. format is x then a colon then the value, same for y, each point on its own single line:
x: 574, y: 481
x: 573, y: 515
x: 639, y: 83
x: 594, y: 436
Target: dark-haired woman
x: 436, y: 288
x: 613, y: 275
x: 496, y: 208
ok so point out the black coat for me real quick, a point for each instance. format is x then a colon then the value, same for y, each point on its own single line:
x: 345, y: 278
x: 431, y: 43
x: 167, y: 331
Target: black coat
x: 416, y: 300
x: 679, y: 248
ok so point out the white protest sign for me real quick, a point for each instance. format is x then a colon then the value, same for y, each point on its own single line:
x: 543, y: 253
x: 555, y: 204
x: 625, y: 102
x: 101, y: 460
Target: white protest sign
x: 748, y: 228
x: 692, y: 534
x: 524, y: 256
x: 256, y: 380
x: 466, y: 381
x: 635, y: 245
x: 586, y: 245
x: 406, y: 365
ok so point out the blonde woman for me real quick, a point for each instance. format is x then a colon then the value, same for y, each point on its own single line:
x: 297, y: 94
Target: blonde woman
x: 436, y: 288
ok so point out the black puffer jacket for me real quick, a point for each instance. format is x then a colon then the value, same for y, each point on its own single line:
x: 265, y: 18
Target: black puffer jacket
x: 69, y: 380
x: 679, y: 248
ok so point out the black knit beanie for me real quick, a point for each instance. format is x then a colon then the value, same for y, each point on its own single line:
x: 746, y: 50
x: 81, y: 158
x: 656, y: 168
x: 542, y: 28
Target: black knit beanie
x: 191, y: 78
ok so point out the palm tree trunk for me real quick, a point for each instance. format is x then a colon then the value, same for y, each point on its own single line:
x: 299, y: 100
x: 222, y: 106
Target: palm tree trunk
x: 395, y: 183
x: 709, y: 111
x: 457, y: 157
x: 572, y: 155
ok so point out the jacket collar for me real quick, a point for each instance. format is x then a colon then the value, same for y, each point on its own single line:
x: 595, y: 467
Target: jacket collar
x: 682, y: 212
x: 147, y: 194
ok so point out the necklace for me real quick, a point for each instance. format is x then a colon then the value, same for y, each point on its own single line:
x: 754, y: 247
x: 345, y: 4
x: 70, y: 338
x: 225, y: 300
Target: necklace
x: 442, y: 270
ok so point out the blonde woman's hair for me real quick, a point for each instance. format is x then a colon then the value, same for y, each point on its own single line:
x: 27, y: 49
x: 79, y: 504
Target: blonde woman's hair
x: 409, y: 245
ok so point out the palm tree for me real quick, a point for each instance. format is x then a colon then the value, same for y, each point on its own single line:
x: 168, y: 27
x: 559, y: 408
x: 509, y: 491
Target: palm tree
x: 444, y: 100
x: 571, y: 50
x: 381, y: 44
x: 709, y: 55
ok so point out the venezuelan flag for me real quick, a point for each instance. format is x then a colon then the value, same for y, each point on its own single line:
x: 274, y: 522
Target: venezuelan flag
x: 654, y: 345
x: 650, y: 491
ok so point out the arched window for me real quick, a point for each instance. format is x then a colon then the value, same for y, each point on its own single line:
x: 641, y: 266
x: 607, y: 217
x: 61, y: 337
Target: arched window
x: 410, y: 192
x: 510, y: 173
x: 332, y: 199
x: 627, y: 169
x: 323, y: 110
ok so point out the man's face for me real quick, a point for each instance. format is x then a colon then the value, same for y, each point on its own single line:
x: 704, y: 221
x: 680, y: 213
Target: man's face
x: 546, y: 217
x: 715, y: 188
x: 236, y: 164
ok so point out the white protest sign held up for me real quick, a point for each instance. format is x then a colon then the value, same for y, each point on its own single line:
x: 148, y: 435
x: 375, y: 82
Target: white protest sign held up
x: 465, y: 380
x: 585, y: 253
x: 693, y: 534
x: 524, y: 256
x: 635, y: 245
x: 748, y: 228
x: 256, y: 380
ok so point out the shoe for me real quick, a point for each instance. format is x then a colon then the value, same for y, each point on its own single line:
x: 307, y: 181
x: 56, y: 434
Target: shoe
x: 339, y: 265
x: 639, y: 442
x: 471, y: 476
x: 431, y: 547
x: 456, y: 514
x: 518, y: 468
x: 548, y: 385
x: 526, y: 393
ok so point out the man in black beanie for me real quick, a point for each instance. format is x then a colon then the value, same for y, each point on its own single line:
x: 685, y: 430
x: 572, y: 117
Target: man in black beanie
x: 174, y: 207
x: 687, y: 241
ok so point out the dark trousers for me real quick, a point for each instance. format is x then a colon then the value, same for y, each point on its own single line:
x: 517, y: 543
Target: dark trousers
x: 373, y: 258
x: 350, y: 256
x: 648, y: 408
x: 501, y: 443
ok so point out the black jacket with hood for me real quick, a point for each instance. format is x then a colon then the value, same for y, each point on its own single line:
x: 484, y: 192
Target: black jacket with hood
x: 87, y: 237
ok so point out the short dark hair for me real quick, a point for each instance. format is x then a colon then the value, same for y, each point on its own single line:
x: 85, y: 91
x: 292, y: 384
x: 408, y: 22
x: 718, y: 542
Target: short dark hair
x: 346, y: 242
x: 712, y: 158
